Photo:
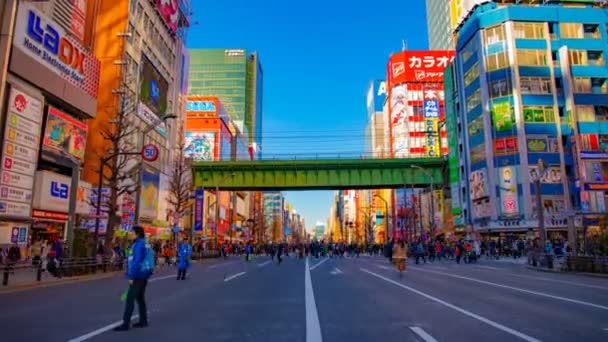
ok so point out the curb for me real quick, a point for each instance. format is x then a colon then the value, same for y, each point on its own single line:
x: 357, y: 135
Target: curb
x: 70, y: 280
x: 587, y: 274
x: 36, y: 285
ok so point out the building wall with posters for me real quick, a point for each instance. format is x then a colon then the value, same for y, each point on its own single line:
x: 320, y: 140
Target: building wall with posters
x: 415, y: 103
x: 50, y: 95
x: 140, y: 45
x: 537, y: 90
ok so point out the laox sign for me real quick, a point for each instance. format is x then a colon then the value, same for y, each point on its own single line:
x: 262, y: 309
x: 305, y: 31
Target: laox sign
x: 54, y: 44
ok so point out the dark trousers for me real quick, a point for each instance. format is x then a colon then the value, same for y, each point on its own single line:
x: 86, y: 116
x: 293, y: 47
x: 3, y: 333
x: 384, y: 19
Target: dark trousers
x: 181, y: 273
x: 137, y: 291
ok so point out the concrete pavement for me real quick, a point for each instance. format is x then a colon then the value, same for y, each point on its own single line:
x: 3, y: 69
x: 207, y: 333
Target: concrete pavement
x: 348, y: 299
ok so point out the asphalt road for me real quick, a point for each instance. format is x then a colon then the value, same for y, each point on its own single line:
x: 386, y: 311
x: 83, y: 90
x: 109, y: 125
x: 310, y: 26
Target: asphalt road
x: 347, y: 299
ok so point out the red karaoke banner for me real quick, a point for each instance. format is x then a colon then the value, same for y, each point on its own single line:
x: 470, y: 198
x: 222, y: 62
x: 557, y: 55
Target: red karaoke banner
x: 418, y: 66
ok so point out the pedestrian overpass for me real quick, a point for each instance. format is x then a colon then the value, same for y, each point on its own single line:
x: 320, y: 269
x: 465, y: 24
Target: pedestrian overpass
x: 317, y: 174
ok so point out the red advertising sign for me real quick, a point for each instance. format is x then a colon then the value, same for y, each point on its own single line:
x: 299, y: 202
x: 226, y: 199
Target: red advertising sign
x: 418, y: 66
x: 504, y: 146
x: 169, y: 11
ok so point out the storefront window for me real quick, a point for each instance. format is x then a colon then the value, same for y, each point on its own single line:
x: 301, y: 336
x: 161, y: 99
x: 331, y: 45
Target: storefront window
x: 535, y: 85
x: 473, y: 100
x: 472, y: 74
x: 539, y: 114
x: 529, y: 30
x: 497, y: 61
x: 500, y: 88
x: 529, y: 57
x: 493, y: 35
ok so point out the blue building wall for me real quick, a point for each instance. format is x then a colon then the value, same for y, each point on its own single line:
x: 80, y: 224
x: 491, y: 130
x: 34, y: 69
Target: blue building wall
x: 537, y: 117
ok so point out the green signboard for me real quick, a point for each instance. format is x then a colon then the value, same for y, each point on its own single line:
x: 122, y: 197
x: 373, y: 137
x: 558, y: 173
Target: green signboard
x: 502, y: 116
x: 451, y: 127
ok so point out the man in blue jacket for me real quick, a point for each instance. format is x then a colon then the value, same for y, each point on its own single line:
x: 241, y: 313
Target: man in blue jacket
x: 184, y: 253
x: 138, y: 272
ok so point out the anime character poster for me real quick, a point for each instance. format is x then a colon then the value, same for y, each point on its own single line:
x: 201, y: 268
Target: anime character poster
x: 200, y: 146
x: 64, y: 134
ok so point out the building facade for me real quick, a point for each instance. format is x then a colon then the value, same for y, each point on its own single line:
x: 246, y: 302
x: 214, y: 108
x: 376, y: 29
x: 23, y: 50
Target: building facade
x: 438, y: 24
x: 47, y: 98
x: 530, y: 97
x: 237, y: 79
x: 141, y: 48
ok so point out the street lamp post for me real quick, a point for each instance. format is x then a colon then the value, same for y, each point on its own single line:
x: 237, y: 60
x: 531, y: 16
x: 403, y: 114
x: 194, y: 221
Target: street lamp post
x: 432, y: 196
x: 385, y: 218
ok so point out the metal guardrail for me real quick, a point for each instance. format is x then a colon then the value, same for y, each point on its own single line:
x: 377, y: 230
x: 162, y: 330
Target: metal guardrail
x: 592, y: 264
x: 72, y: 267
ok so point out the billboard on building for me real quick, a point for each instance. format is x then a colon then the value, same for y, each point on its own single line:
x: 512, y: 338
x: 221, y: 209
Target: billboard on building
x: 47, y: 42
x: 460, y: 9
x: 418, y: 66
x: 150, y: 188
x: 64, y: 134
x: 398, y: 121
x: 169, y: 11
x: 200, y: 146
x: 205, y: 106
x: 153, y: 87
x: 507, y: 185
x: 376, y: 96
x: 430, y: 109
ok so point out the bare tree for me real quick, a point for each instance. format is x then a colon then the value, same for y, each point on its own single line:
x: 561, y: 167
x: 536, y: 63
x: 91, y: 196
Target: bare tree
x: 180, y: 187
x: 120, y: 173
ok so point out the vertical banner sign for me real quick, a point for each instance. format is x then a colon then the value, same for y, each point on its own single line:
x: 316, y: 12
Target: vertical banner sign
x: 431, y: 120
x: 507, y: 184
x: 199, y: 197
x: 453, y: 159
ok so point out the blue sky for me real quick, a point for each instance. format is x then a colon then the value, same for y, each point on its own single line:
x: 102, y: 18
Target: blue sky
x: 318, y: 59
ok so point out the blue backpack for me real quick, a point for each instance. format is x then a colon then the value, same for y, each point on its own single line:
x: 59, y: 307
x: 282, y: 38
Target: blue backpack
x: 148, y: 264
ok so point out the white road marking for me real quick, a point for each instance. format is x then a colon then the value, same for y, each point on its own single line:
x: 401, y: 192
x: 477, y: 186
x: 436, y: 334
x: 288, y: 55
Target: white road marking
x: 336, y: 271
x: 389, y: 268
x: 151, y: 280
x: 438, y: 267
x: 99, y: 331
x: 264, y: 263
x: 489, y: 268
x: 423, y: 334
x: 560, y: 281
x: 318, y: 264
x: 313, y: 328
x: 234, y: 276
x: 454, y: 307
x: 223, y: 264
x: 541, y: 294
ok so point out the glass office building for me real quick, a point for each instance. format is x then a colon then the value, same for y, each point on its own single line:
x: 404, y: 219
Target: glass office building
x: 438, y: 25
x: 532, y: 103
x: 236, y: 79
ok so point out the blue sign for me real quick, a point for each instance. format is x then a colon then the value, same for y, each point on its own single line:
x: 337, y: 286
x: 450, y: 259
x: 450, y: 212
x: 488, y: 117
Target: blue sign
x: 431, y: 109
x: 59, y: 51
x: 200, y: 106
x: 379, y: 95
x: 59, y: 190
x: 199, y: 197
x: 155, y: 92
x: 22, y: 234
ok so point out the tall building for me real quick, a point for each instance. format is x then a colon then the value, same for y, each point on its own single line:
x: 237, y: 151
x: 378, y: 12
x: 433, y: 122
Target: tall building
x: 237, y: 79
x: 140, y: 44
x: 273, y: 203
x: 48, y: 96
x: 530, y: 97
x: 438, y: 24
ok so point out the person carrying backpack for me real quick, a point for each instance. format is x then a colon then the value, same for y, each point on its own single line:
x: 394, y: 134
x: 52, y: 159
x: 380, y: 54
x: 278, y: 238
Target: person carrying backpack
x: 140, y: 266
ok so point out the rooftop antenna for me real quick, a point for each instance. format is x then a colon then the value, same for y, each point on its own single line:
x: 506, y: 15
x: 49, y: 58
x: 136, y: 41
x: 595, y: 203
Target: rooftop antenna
x: 403, y: 45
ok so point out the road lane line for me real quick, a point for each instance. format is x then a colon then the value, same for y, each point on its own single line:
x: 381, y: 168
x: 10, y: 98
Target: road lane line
x: 264, y: 263
x: 151, y: 280
x: 560, y: 281
x: 459, y: 309
x: 488, y: 268
x: 438, y: 268
x: 99, y: 331
x: 541, y: 294
x: 313, y: 328
x: 233, y: 276
x: 318, y: 264
x: 223, y: 264
x: 423, y: 334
